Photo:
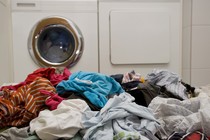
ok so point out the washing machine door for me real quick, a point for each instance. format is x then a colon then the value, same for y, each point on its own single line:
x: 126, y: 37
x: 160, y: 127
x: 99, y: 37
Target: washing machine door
x: 55, y: 42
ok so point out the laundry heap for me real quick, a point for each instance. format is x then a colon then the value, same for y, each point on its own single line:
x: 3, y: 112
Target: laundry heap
x: 87, y: 105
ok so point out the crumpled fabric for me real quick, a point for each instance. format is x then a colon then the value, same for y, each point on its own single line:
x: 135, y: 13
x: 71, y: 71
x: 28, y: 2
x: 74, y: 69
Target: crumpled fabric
x: 15, y: 133
x: 12, y: 86
x: 170, y: 80
x: 132, y: 76
x: 53, y: 100
x: 63, y: 122
x: 181, y: 116
x: 48, y: 73
x: 120, y: 114
x: 205, y: 89
x: 18, y: 108
x: 94, y: 86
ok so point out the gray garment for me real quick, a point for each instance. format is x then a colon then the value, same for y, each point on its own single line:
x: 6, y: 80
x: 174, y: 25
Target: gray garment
x: 129, y: 127
x: 119, y: 109
x: 15, y: 133
x: 181, y: 116
x: 170, y: 80
x: 203, y: 89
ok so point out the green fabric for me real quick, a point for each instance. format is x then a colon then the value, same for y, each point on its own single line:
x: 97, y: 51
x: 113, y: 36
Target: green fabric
x: 33, y: 137
x: 127, y: 136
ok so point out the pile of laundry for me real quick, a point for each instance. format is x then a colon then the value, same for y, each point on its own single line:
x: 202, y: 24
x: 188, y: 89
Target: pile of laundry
x: 52, y: 105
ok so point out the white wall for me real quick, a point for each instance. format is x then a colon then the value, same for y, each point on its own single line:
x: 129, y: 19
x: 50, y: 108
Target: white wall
x: 186, y: 41
x: 5, y: 42
x: 196, y: 42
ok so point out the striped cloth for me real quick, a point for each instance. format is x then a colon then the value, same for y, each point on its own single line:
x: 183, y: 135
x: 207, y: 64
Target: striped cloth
x: 19, y: 107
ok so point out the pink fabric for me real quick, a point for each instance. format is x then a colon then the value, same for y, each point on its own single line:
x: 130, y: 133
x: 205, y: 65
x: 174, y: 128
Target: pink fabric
x: 48, y: 73
x: 53, y: 101
x: 13, y: 87
x: 57, y: 78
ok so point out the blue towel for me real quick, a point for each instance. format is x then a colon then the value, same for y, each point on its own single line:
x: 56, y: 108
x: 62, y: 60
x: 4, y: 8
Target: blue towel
x: 94, y: 86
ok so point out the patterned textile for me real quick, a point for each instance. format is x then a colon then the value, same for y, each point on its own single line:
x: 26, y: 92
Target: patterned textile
x: 197, y: 135
x: 18, y: 107
x: 132, y: 76
x: 48, y: 73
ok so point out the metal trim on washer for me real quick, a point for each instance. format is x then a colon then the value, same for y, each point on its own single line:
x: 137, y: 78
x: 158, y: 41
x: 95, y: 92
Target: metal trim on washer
x: 55, y: 22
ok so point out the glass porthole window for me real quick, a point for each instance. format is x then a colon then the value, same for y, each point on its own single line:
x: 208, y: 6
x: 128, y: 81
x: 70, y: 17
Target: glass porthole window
x: 55, y: 42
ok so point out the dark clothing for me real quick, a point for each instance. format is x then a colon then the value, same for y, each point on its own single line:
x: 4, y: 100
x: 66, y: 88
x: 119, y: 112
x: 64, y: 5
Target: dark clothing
x: 74, y: 95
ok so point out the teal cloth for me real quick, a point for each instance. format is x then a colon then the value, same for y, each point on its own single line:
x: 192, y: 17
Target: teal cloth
x: 94, y: 86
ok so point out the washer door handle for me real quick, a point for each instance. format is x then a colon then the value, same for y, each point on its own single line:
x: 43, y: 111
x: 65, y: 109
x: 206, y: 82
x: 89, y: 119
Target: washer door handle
x: 26, y: 5
x: 21, y: 4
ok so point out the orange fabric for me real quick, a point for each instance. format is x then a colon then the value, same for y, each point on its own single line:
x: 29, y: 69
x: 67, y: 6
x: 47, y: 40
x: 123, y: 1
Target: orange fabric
x: 19, y: 107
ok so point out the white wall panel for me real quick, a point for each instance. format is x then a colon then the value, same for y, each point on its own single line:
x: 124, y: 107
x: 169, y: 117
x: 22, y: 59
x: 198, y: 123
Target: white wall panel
x: 186, y: 40
x: 187, y: 13
x: 186, y: 61
x: 5, y: 43
x: 201, y: 12
x: 200, y: 77
x: 200, y: 47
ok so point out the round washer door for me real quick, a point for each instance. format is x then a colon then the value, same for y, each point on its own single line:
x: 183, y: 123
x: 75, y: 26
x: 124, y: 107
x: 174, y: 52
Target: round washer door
x: 55, y: 42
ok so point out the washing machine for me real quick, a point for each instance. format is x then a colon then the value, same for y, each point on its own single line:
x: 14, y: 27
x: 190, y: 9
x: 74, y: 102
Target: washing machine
x: 54, y: 33
x: 140, y: 35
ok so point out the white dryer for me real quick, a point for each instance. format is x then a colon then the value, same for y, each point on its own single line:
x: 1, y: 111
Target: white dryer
x: 54, y: 33
x: 140, y: 35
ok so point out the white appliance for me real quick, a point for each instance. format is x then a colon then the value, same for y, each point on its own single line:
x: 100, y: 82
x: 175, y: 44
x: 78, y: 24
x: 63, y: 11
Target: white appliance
x: 140, y: 35
x: 5, y: 42
x: 54, y: 33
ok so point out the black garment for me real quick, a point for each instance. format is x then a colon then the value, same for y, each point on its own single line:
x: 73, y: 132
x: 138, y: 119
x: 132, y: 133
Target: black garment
x: 143, y: 92
x: 117, y: 77
x: 139, y: 97
x: 74, y: 95
x: 149, y: 91
x: 190, y: 90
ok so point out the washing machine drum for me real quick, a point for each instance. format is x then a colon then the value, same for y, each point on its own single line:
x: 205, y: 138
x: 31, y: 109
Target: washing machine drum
x: 55, y: 42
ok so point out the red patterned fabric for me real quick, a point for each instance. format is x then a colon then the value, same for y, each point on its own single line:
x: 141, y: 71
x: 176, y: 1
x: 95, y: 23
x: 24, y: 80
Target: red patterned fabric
x: 18, y: 108
x: 48, y: 73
